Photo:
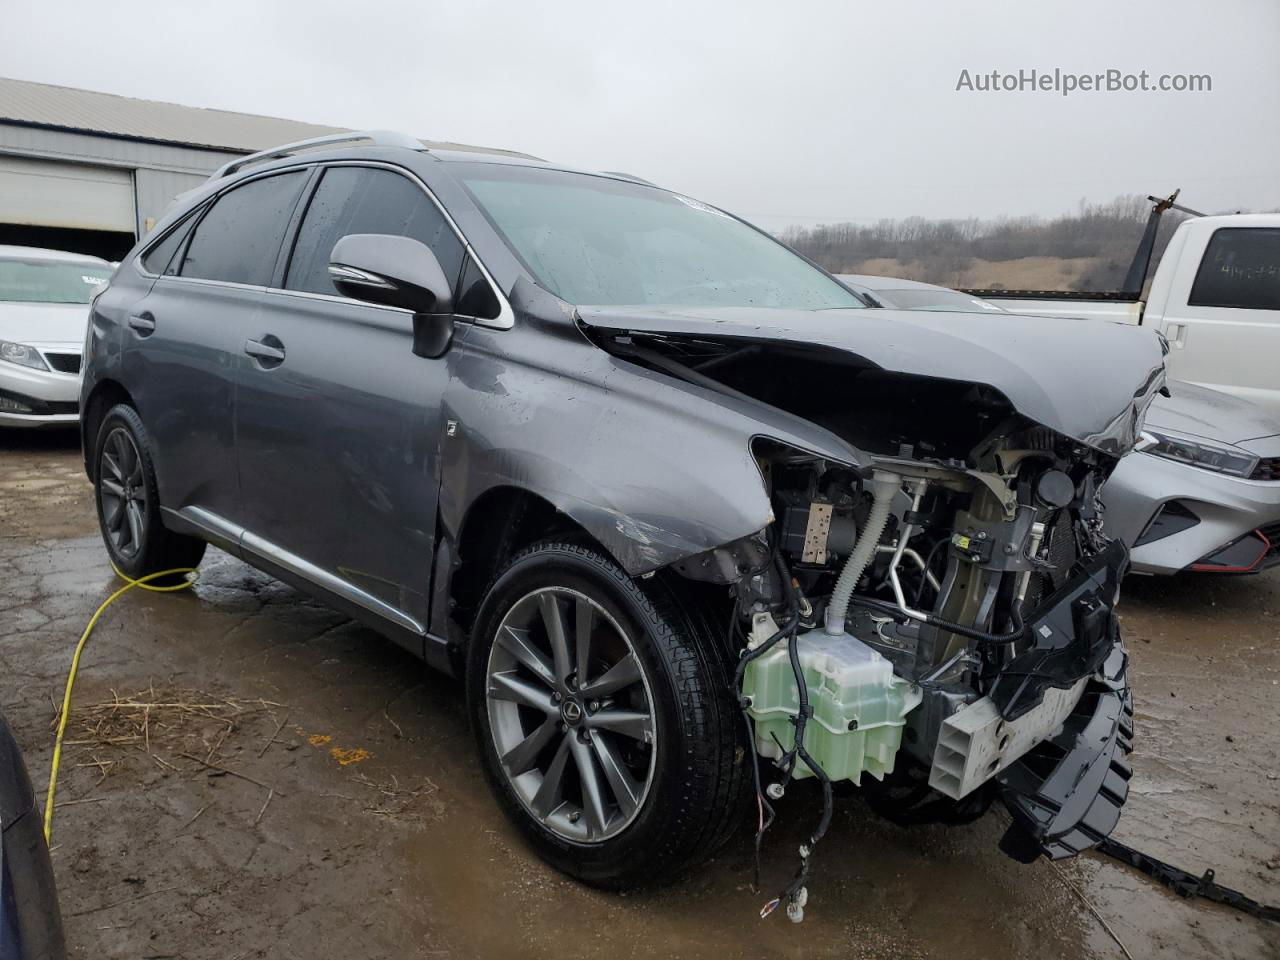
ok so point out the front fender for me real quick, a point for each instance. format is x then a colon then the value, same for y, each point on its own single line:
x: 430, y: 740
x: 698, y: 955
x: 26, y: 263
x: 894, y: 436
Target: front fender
x: 655, y: 469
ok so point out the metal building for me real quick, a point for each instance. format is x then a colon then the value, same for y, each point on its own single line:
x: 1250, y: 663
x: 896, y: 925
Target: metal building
x: 90, y: 172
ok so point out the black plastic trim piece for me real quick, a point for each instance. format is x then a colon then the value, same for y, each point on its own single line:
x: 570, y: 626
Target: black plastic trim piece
x: 42, y: 408
x: 1065, y: 796
x: 1171, y: 517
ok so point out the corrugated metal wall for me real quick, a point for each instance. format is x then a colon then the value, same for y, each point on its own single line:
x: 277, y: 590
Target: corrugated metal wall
x: 155, y: 190
x: 160, y: 171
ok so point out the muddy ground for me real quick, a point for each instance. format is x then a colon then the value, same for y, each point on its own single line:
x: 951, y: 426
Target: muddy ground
x: 250, y: 775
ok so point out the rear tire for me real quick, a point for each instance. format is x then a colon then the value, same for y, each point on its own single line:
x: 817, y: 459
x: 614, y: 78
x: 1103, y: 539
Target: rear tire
x: 128, y: 502
x: 665, y: 804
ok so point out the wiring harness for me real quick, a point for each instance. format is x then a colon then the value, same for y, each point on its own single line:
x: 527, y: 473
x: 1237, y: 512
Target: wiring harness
x: 795, y: 894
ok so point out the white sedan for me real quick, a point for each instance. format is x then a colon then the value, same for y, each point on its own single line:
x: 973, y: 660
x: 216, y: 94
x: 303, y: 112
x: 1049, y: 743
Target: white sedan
x: 44, y: 312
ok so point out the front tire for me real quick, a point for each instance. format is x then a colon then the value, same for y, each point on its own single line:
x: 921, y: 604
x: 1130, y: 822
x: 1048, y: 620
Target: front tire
x: 603, y: 715
x: 128, y: 501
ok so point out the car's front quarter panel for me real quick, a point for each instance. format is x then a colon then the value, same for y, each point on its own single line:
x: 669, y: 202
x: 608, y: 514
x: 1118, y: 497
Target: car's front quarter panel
x: 653, y: 468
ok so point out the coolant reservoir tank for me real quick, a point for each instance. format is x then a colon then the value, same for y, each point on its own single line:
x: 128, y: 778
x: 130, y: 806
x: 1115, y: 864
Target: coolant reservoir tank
x: 859, y: 705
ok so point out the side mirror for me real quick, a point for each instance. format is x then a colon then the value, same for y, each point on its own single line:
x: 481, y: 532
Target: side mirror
x: 397, y: 272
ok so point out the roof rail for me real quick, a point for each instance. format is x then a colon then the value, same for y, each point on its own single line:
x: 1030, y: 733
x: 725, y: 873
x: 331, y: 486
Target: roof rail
x: 378, y: 138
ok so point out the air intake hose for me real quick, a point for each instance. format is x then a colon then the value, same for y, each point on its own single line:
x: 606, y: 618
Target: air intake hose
x: 884, y: 486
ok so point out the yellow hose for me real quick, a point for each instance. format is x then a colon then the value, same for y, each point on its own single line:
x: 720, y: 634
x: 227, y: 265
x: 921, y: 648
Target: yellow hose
x: 143, y: 583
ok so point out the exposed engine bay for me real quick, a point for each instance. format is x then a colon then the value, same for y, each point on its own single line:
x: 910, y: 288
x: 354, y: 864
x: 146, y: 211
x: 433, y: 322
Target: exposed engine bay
x: 941, y: 619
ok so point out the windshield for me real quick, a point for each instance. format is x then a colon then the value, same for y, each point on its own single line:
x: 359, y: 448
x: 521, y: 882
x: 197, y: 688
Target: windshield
x: 603, y: 242
x: 922, y: 298
x: 50, y: 281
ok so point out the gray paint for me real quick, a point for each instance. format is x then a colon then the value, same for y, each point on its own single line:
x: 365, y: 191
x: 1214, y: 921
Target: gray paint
x: 325, y: 469
x: 1088, y: 382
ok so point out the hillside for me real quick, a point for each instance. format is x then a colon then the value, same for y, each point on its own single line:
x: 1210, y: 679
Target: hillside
x: 1088, y: 250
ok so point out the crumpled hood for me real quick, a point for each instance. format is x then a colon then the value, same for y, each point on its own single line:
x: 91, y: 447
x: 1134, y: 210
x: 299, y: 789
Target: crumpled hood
x: 1211, y: 414
x: 1088, y: 380
x: 44, y: 323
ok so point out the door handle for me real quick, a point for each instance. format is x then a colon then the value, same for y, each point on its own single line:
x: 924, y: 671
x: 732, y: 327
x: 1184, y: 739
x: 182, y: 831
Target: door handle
x: 270, y: 353
x: 1176, y: 334
x: 143, y: 323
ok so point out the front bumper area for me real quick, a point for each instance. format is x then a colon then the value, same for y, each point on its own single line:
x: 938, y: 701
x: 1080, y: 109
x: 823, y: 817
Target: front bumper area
x: 1177, y: 517
x: 1065, y: 795
x: 20, y: 410
x: 38, y: 398
x: 1254, y: 552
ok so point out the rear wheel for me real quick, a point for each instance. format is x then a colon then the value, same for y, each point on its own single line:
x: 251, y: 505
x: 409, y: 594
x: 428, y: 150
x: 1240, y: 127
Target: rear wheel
x: 603, y: 713
x: 128, y: 501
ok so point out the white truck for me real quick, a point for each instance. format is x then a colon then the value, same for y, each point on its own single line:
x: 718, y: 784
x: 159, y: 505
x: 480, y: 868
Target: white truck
x: 1215, y: 297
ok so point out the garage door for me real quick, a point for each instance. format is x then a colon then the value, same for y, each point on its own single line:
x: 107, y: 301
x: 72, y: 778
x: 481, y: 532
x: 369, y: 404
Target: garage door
x: 49, y: 194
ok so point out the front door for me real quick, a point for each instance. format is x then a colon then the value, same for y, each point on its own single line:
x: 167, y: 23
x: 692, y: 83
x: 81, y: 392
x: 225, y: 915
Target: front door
x: 338, y: 424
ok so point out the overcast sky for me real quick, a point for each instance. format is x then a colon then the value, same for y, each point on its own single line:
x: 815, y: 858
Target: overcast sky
x: 786, y: 111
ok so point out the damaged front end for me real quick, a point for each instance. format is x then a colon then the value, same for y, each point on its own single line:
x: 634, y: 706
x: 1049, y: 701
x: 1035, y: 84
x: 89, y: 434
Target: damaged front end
x: 988, y: 595
x: 942, y: 619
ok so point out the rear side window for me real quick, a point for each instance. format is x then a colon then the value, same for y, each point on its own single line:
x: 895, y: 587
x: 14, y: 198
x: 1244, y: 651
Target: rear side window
x: 1241, y: 268
x: 160, y: 258
x: 239, y: 238
x: 366, y: 200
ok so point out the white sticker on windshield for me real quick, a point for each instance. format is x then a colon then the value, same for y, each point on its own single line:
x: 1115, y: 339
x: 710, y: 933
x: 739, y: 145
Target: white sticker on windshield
x: 699, y: 205
x: 92, y: 281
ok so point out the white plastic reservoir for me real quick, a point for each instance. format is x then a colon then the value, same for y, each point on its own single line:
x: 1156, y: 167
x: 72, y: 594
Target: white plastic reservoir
x: 859, y: 705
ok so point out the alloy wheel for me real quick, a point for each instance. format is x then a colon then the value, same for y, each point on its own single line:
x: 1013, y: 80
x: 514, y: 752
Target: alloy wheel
x: 122, y: 493
x: 571, y: 714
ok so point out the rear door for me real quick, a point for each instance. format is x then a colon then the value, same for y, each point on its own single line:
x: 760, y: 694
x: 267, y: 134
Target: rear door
x: 1222, y: 317
x: 338, y: 424
x: 185, y: 341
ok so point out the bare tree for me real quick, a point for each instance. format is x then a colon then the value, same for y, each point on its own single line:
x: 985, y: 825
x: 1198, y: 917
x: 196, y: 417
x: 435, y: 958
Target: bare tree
x: 944, y: 251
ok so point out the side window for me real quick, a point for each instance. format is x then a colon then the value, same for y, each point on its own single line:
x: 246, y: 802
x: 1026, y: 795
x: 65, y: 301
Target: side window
x: 159, y: 259
x: 475, y: 295
x: 239, y: 238
x: 366, y: 200
x: 1241, y: 268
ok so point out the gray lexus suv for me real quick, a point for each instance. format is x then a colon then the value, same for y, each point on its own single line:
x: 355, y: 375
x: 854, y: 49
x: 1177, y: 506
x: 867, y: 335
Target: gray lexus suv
x: 687, y: 521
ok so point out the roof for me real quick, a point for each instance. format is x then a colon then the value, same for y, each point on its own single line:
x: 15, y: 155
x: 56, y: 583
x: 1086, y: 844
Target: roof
x: 89, y: 111
x: 42, y: 253
x: 1232, y: 220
